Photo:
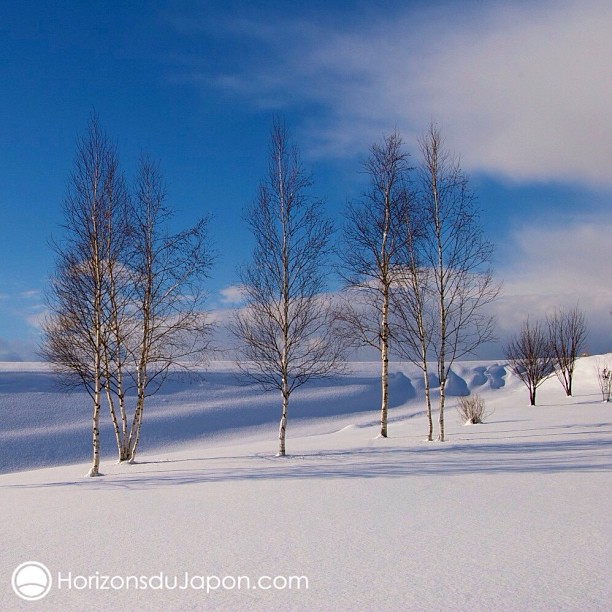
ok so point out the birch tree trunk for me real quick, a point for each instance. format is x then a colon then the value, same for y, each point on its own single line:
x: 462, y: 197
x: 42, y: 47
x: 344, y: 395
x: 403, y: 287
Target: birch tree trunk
x: 141, y: 369
x: 384, y: 327
x: 423, y: 339
x: 442, y: 368
x: 428, y: 404
x: 384, y: 355
x: 441, y: 413
x: 95, y: 423
x: 95, y: 431
x: 114, y: 421
x: 134, y: 438
x: 282, y: 429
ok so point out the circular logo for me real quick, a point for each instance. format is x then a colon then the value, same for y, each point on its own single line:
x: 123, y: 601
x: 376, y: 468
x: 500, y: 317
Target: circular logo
x: 31, y: 581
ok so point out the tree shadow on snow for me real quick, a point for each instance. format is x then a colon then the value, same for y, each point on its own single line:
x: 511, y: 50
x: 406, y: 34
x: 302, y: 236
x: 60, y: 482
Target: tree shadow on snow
x: 543, y: 457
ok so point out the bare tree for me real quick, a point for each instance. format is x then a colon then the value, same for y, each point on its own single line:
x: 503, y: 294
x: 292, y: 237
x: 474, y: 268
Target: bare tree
x: 568, y: 332
x: 125, y: 300
x: 458, y: 257
x: 169, y: 327
x: 76, y: 332
x: 530, y: 356
x: 414, y: 300
x: 370, y: 252
x: 154, y: 297
x: 286, y: 327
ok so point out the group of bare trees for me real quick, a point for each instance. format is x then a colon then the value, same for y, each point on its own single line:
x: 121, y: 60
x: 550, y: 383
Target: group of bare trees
x: 414, y: 261
x: 125, y: 298
x: 541, y: 349
x: 416, y: 265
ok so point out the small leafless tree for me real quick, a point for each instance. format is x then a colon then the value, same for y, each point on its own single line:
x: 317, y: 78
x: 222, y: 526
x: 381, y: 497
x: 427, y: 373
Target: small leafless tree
x: 530, y: 356
x: 286, y: 327
x: 369, y: 255
x: 568, y: 332
x: 458, y: 257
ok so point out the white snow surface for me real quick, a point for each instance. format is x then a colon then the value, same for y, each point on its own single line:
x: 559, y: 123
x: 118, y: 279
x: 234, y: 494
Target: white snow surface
x: 513, y: 514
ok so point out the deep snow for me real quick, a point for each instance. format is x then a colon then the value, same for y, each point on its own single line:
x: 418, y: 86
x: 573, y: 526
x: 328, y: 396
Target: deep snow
x: 509, y: 515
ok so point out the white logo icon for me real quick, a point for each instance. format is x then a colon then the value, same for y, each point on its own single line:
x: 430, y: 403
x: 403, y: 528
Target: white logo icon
x: 31, y: 581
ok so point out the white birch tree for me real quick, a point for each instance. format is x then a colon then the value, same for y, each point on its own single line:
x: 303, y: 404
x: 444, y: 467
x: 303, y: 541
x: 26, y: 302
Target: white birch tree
x: 369, y: 255
x: 458, y: 257
x: 75, y: 334
x: 169, y: 327
x: 286, y: 326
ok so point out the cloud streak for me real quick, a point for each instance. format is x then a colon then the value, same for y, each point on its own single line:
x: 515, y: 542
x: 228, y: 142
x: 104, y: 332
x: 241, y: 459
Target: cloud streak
x: 522, y: 90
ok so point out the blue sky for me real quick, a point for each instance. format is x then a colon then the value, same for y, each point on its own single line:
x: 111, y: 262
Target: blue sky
x: 522, y: 91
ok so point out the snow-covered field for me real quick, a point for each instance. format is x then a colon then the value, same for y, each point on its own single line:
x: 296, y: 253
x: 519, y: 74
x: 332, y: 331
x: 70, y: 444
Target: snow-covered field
x: 513, y: 514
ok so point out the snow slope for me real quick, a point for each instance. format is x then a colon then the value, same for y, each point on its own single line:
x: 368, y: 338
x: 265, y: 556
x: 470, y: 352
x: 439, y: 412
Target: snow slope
x: 509, y: 515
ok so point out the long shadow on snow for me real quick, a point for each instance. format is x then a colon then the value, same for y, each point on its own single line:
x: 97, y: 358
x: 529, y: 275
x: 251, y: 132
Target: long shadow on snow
x: 185, y: 410
x: 508, y: 458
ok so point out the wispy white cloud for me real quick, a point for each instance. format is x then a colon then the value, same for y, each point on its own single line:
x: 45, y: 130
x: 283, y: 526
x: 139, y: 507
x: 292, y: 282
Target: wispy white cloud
x: 29, y: 294
x: 21, y: 311
x: 35, y: 316
x: 232, y: 295
x: 522, y: 90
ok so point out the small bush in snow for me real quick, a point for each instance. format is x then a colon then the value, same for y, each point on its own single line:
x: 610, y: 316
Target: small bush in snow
x: 472, y: 409
x: 604, y: 377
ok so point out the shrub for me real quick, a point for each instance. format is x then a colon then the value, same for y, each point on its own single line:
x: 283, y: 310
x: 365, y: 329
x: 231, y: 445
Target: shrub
x: 472, y: 409
x: 604, y: 378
